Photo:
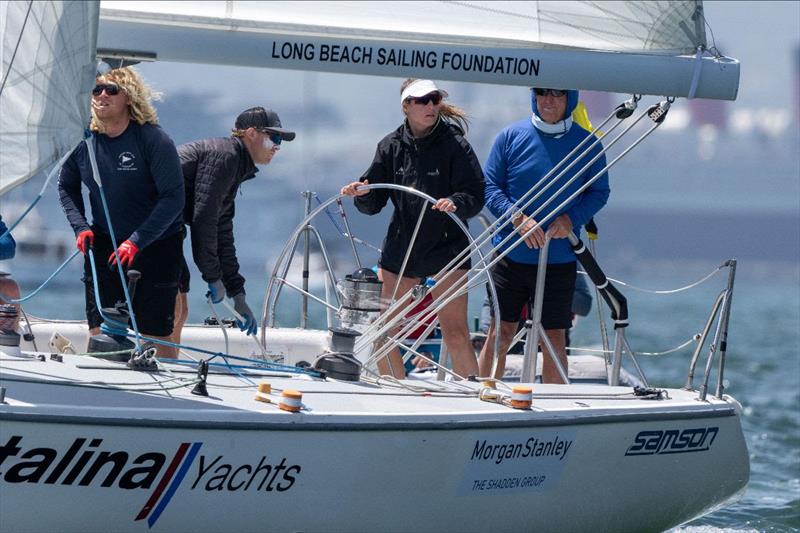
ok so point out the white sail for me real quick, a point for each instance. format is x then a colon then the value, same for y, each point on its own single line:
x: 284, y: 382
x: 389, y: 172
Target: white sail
x: 48, y: 68
x: 637, y: 47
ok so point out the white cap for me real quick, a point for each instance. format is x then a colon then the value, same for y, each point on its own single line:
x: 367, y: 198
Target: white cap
x: 421, y: 88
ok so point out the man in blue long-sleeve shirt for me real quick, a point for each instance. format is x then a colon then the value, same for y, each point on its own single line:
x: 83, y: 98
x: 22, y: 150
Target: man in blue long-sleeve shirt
x: 522, y: 156
x: 143, y: 185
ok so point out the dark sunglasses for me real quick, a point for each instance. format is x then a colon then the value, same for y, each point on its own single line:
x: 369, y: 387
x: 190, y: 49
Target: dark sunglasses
x: 436, y: 98
x: 552, y: 92
x: 109, y: 88
x: 274, y: 137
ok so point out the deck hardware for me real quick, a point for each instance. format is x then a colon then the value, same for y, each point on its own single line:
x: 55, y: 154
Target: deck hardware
x: 202, y: 374
x: 291, y: 400
x: 650, y: 393
x: 264, y: 390
x: 521, y: 397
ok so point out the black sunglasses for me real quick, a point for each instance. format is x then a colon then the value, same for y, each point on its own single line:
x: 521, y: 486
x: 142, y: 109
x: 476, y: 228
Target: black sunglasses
x: 110, y: 89
x: 436, y: 98
x: 274, y: 137
x: 552, y: 92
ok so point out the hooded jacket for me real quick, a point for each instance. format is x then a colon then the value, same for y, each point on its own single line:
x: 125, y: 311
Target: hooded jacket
x: 213, y: 170
x: 521, y: 156
x: 443, y: 165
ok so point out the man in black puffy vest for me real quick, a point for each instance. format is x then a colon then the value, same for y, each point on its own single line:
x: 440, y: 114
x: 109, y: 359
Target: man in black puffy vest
x: 213, y: 170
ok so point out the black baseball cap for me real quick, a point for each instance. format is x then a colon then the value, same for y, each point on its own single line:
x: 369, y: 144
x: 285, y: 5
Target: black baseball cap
x: 260, y: 118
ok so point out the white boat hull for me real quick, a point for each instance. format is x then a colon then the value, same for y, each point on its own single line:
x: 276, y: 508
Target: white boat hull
x: 358, y: 458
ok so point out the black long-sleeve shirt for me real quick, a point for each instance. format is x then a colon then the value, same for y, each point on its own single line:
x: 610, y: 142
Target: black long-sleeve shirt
x: 141, y: 179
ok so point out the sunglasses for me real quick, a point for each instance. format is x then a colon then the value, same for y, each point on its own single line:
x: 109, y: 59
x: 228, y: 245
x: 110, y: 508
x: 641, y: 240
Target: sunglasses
x: 552, y: 92
x: 436, y: 98
x: 110, y: 89
x: 274, y: 137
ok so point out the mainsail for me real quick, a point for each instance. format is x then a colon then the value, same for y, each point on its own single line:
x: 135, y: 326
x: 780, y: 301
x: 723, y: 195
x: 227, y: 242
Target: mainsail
x: 652, y: 47
x: 48, y: 68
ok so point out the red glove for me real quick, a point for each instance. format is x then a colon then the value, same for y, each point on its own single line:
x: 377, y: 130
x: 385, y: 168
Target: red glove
x: 85, y: 235
x: 127, y: 250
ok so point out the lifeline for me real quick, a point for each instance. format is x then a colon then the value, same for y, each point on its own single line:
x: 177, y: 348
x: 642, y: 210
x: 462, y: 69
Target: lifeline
x: 533, y: 447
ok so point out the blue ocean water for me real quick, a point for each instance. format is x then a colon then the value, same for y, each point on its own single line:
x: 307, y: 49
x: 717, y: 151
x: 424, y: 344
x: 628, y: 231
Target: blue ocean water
x: 762, y: 372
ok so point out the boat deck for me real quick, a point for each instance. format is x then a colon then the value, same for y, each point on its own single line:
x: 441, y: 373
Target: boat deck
x: 89, y: 388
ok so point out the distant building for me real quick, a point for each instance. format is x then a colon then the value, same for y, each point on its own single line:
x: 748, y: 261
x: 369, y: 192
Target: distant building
x: 797, y: 85
x: 709, y: 113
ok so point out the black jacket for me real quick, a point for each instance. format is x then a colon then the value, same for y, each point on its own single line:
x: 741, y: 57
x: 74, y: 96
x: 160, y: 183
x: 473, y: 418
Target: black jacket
x: 441, y: 164
x: 213, y: 170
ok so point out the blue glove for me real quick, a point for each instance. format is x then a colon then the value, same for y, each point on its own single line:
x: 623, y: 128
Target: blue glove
x: 216, y: 291
x: 243, y: 309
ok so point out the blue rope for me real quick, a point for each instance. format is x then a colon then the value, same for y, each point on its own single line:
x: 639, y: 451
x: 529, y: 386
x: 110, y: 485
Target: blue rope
x: 253, y: 362
x: 43, y: 285
x: 128, y: 300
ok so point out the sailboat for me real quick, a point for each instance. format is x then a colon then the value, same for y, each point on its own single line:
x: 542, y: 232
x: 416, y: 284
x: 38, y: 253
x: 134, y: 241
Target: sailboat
x: 297, y: 432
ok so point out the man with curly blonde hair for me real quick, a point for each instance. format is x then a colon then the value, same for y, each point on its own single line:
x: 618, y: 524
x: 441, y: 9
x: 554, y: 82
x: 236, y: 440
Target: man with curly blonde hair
x: 143, y: 187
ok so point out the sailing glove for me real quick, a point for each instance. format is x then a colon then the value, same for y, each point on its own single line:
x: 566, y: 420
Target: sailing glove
x: 243, y: 309
x: 127, y: 250
x: 83, y: 237
x: 216, y: 291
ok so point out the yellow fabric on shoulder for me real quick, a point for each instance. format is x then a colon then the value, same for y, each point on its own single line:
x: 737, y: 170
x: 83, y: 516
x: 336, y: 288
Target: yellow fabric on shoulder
x: 581, y: 117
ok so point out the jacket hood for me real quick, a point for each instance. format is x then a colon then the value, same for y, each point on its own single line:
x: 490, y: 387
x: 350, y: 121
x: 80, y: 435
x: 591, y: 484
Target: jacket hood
x: 572, y: 103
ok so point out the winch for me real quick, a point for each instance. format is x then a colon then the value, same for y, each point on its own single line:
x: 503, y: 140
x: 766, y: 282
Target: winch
x: 361, y: 297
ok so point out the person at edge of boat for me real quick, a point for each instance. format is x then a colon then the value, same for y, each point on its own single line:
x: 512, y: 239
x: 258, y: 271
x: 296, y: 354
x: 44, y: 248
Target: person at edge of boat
x: 522, y: 155
x: 213, y: 172
x: 428, y: 152
x: 581, y: 306
x: 9, y: 290
x: 141, y: 177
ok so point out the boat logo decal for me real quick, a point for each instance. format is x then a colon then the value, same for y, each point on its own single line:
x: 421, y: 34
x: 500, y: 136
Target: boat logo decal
x: 657, y: 442
x: 431, y: 59
x: 86, y: 463
x: 516, y: 463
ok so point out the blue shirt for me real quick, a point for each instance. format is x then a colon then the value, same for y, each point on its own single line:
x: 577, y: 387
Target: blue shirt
x: 8, y: 246
x: 142, y: 182
x: 521, y: 156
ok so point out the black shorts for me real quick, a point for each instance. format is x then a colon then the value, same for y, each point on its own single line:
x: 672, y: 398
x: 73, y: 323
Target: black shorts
x: 516, y: 284
x: 184, y: 280
x: 154, y: 299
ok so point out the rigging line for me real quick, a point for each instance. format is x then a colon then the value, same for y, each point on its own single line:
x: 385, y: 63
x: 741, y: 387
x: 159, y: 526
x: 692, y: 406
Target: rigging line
x: 553, y: 211
x: 91, y: 142
x: 677, y: 348
x: 43, y: 285
x: 344, y: 233
x: 670, y: 291
x: 16, y: 48
x: 39, y: 196
x: 132, y: 386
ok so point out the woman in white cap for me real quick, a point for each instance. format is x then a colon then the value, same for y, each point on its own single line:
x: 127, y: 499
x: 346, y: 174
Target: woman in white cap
x: 429, y: 153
